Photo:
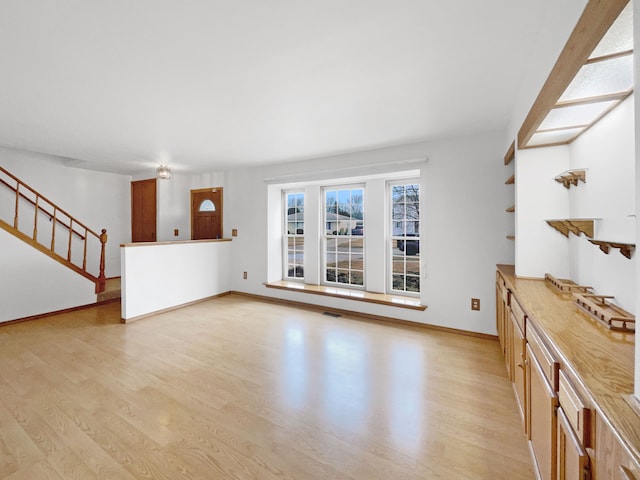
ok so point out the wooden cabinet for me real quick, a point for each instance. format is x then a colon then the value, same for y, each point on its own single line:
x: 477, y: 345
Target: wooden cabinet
x: 573, y: 460
x: 542, y: 403
x: 574, y: 391
x: 612, y: 461
x: 519, y: 374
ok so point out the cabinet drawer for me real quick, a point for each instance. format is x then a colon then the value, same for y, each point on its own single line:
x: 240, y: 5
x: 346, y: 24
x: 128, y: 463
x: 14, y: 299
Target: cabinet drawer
x: 545, y: 358
x: 518, y: 312
x: 578, y: 415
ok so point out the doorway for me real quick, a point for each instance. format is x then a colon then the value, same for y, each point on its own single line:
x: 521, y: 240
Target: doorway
x: 143, y: 210
x: 206, y: 213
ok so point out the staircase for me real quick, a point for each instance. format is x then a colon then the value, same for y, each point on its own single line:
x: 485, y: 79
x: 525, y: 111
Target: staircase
x: 36, y: 220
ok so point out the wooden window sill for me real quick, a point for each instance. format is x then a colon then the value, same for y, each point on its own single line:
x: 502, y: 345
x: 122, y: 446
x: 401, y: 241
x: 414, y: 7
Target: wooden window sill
x: 412, y: 303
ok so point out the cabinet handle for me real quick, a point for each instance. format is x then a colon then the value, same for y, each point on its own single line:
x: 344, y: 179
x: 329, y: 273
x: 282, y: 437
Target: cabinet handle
x: 626, y: 473
x: 521, y: 366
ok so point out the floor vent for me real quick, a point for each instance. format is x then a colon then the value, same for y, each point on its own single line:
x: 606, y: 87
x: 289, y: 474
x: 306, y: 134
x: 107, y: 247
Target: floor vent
x: 331, y: 314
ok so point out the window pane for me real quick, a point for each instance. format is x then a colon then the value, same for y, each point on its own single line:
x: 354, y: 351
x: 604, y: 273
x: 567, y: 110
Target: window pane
x: 293, y: 241
x: 404, y: 271
x: 344, y: 235
x: 207, y: 206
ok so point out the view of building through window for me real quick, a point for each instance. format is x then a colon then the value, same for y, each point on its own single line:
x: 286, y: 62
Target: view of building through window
x: 344, y: 235
x: 405, y: 237
x: 294, y: 238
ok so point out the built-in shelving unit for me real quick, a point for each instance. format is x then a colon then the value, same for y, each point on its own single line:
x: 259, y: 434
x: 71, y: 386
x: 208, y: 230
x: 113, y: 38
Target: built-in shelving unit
x: 572, y: 177
x: 508, y: 159
x: 626, y: 249
x: 600, y: 308
x: 574, y: 225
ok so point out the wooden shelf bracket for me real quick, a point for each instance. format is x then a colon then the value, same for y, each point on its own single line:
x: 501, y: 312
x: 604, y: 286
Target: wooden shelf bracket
x: 575, y: 226
x: 572, y: 177
x: 626, y: 249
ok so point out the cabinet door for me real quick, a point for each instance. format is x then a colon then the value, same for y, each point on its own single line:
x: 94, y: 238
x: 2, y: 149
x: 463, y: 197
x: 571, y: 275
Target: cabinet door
x: 519, y: 377
x: 573, y: 461
x: 500, y: 308
x: 612, y: 462
x: 542, y: 419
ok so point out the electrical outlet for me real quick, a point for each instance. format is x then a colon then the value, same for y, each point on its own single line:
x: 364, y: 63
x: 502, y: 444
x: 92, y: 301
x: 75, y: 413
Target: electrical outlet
x: 475, y: 304
x: 244, y: 275
x: 234, y: 232
x: 176, y: 232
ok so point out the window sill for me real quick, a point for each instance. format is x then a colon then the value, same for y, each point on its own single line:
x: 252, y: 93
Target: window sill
x: 412, y: 303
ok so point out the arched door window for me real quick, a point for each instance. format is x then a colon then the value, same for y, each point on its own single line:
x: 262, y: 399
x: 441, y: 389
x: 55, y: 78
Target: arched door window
x: 207, y: 206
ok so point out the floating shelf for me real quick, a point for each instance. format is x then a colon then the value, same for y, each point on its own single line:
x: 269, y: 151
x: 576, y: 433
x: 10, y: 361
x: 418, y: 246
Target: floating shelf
x: 572, y: 177
x: 562, y: 285
x: 607, y: 313
x: 511, y: 153
x: 511, y: 209
x: 626, y: 249
x: 511, y: 180
x: 573, y: 225
x: 511, y: 237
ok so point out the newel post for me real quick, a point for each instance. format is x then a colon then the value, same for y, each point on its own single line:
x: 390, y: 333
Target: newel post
x: 101, y: 283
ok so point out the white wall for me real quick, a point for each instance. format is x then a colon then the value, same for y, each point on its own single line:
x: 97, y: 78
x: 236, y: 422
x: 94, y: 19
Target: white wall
x: 174, y: 204
x: 160, y: 276
x: 464, y: 236
x: 607, y: 151
x: 31, y: 283
x: 540, y: 248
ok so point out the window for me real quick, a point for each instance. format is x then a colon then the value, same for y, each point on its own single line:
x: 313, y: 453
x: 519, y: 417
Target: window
x: 405, y: 237
x: 207, y: 206
x: 344, y: 235
x: 294, y: 235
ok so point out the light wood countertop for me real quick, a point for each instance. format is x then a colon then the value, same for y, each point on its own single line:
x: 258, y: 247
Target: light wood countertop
x: 602, y: 360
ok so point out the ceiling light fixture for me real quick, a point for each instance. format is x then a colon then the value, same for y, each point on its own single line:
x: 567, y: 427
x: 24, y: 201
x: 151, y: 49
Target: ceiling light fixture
x: 163, y: 172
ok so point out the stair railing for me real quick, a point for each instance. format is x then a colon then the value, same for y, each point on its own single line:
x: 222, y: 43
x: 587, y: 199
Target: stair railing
x: 57, y: 217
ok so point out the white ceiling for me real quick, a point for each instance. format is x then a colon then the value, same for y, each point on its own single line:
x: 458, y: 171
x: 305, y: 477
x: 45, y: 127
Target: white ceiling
x: 123, y: 85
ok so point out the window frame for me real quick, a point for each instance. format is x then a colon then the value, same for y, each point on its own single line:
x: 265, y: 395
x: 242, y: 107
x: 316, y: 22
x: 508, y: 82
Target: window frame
x: 286, y: 236
x: 390, y: 237
x: 349, y: 235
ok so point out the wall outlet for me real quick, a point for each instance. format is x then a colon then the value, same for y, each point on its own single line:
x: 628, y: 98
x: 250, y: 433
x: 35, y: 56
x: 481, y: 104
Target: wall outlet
x: 176, y: 232
x: 244, y: 275
x: 475, y: 304
x: 234, y: 232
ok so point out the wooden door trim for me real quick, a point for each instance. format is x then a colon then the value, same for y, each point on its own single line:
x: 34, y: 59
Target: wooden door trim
x: 191, y: 212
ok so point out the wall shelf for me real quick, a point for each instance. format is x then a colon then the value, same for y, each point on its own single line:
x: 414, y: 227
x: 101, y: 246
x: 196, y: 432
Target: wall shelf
x: 565, y: 286
x: 511, y: 209
x: 511, y: 180
x: 511, y: 153
x: 572, y: 177
x: 626, y: 249
x: 573, y: 225
x: 607, y: 313
x: 511, y: 237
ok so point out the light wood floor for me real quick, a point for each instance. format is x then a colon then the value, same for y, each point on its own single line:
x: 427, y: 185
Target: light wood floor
x: 240, y: 389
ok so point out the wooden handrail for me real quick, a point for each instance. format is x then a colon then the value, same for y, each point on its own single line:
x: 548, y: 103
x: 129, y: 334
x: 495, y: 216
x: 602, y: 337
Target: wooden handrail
x: 100, y: 279
x: 42, y: 209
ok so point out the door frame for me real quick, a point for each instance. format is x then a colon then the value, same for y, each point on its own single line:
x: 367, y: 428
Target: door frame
x: 191, y: 211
